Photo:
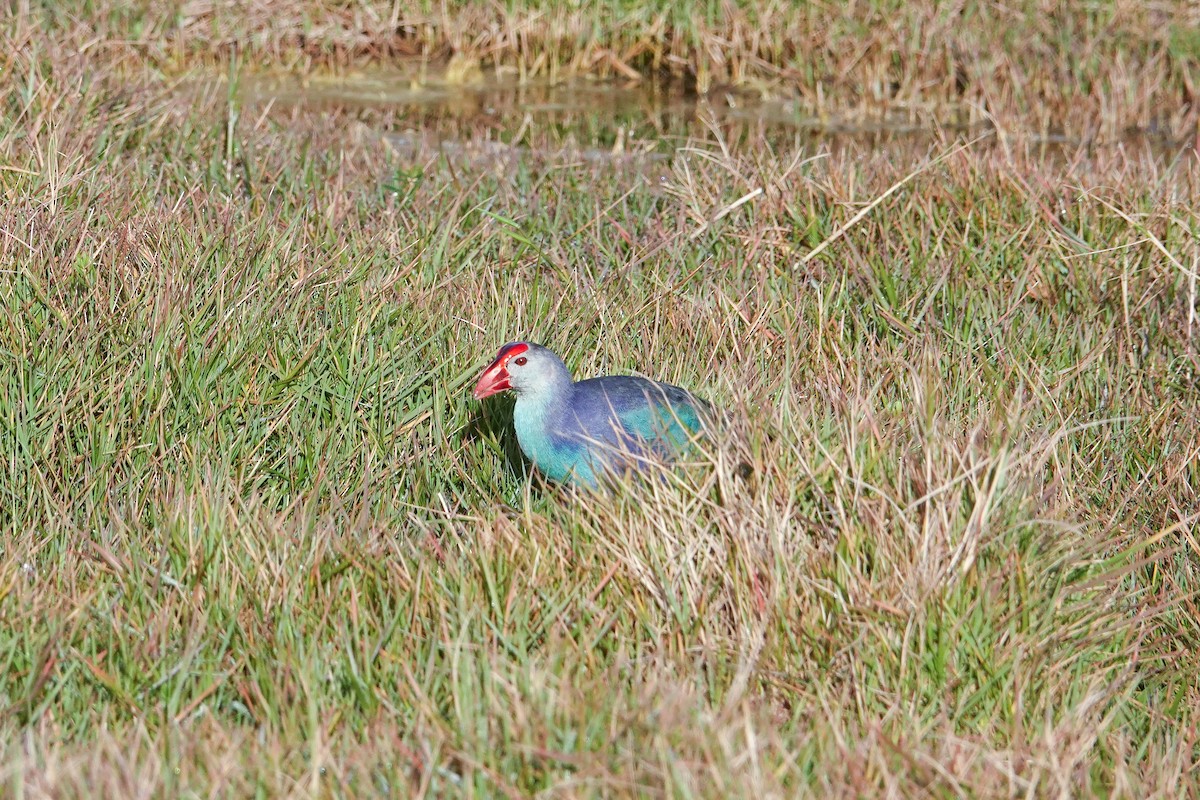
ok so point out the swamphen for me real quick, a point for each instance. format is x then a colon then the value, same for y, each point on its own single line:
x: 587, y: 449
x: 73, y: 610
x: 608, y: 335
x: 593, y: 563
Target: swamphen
x: 576, y: 432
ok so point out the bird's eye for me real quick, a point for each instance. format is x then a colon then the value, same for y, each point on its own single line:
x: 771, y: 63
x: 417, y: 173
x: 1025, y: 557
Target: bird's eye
x: 520, y: 361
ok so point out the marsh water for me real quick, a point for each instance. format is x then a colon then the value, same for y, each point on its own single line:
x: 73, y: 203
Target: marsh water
x: 490, y: 118
x: 493, y: 114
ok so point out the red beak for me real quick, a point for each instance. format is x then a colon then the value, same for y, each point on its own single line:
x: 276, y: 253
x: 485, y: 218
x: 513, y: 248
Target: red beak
x: 493, y: 380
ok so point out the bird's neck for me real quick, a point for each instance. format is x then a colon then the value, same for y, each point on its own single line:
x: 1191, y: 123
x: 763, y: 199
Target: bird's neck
x: 546, y: 399
x: 538, y: 414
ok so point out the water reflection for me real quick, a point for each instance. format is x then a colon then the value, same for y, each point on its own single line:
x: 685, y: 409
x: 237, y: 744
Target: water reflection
x: 463, y: 111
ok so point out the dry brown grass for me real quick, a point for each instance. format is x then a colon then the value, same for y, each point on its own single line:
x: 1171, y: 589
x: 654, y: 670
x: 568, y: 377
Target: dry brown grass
x: 1090, y: 71
x: 256, y: 539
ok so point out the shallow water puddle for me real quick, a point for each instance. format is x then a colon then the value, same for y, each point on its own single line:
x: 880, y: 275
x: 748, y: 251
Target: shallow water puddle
x: 495, y: 119
x: 470, y: 114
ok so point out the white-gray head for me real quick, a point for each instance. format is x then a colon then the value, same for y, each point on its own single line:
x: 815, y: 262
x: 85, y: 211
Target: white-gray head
x: 524, y: 367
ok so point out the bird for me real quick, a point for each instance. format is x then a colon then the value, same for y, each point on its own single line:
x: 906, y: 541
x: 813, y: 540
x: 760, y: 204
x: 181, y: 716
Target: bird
x: 584, y: 433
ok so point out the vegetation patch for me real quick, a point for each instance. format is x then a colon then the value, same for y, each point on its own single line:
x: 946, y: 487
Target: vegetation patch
x: 256, y: 537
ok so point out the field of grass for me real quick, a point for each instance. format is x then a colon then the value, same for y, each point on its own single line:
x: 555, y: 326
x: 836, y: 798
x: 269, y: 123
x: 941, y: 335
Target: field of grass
x: 256, y: 538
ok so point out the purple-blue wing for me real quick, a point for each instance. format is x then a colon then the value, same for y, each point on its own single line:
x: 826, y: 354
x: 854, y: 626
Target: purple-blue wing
x: 635, y: 413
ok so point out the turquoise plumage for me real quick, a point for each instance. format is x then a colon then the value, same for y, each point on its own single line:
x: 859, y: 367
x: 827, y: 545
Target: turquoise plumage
x: 576, y: 432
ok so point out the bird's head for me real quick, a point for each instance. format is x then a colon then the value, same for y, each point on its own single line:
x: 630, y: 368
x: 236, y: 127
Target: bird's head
x: 522, y: 367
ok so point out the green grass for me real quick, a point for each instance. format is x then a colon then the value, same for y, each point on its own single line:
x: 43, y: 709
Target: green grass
x: 1090, y: 70
x: 257, y: 539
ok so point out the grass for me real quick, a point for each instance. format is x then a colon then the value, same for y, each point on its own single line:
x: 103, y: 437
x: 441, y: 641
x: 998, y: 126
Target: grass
x: 1091, y: 71
x: 258, y: 540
